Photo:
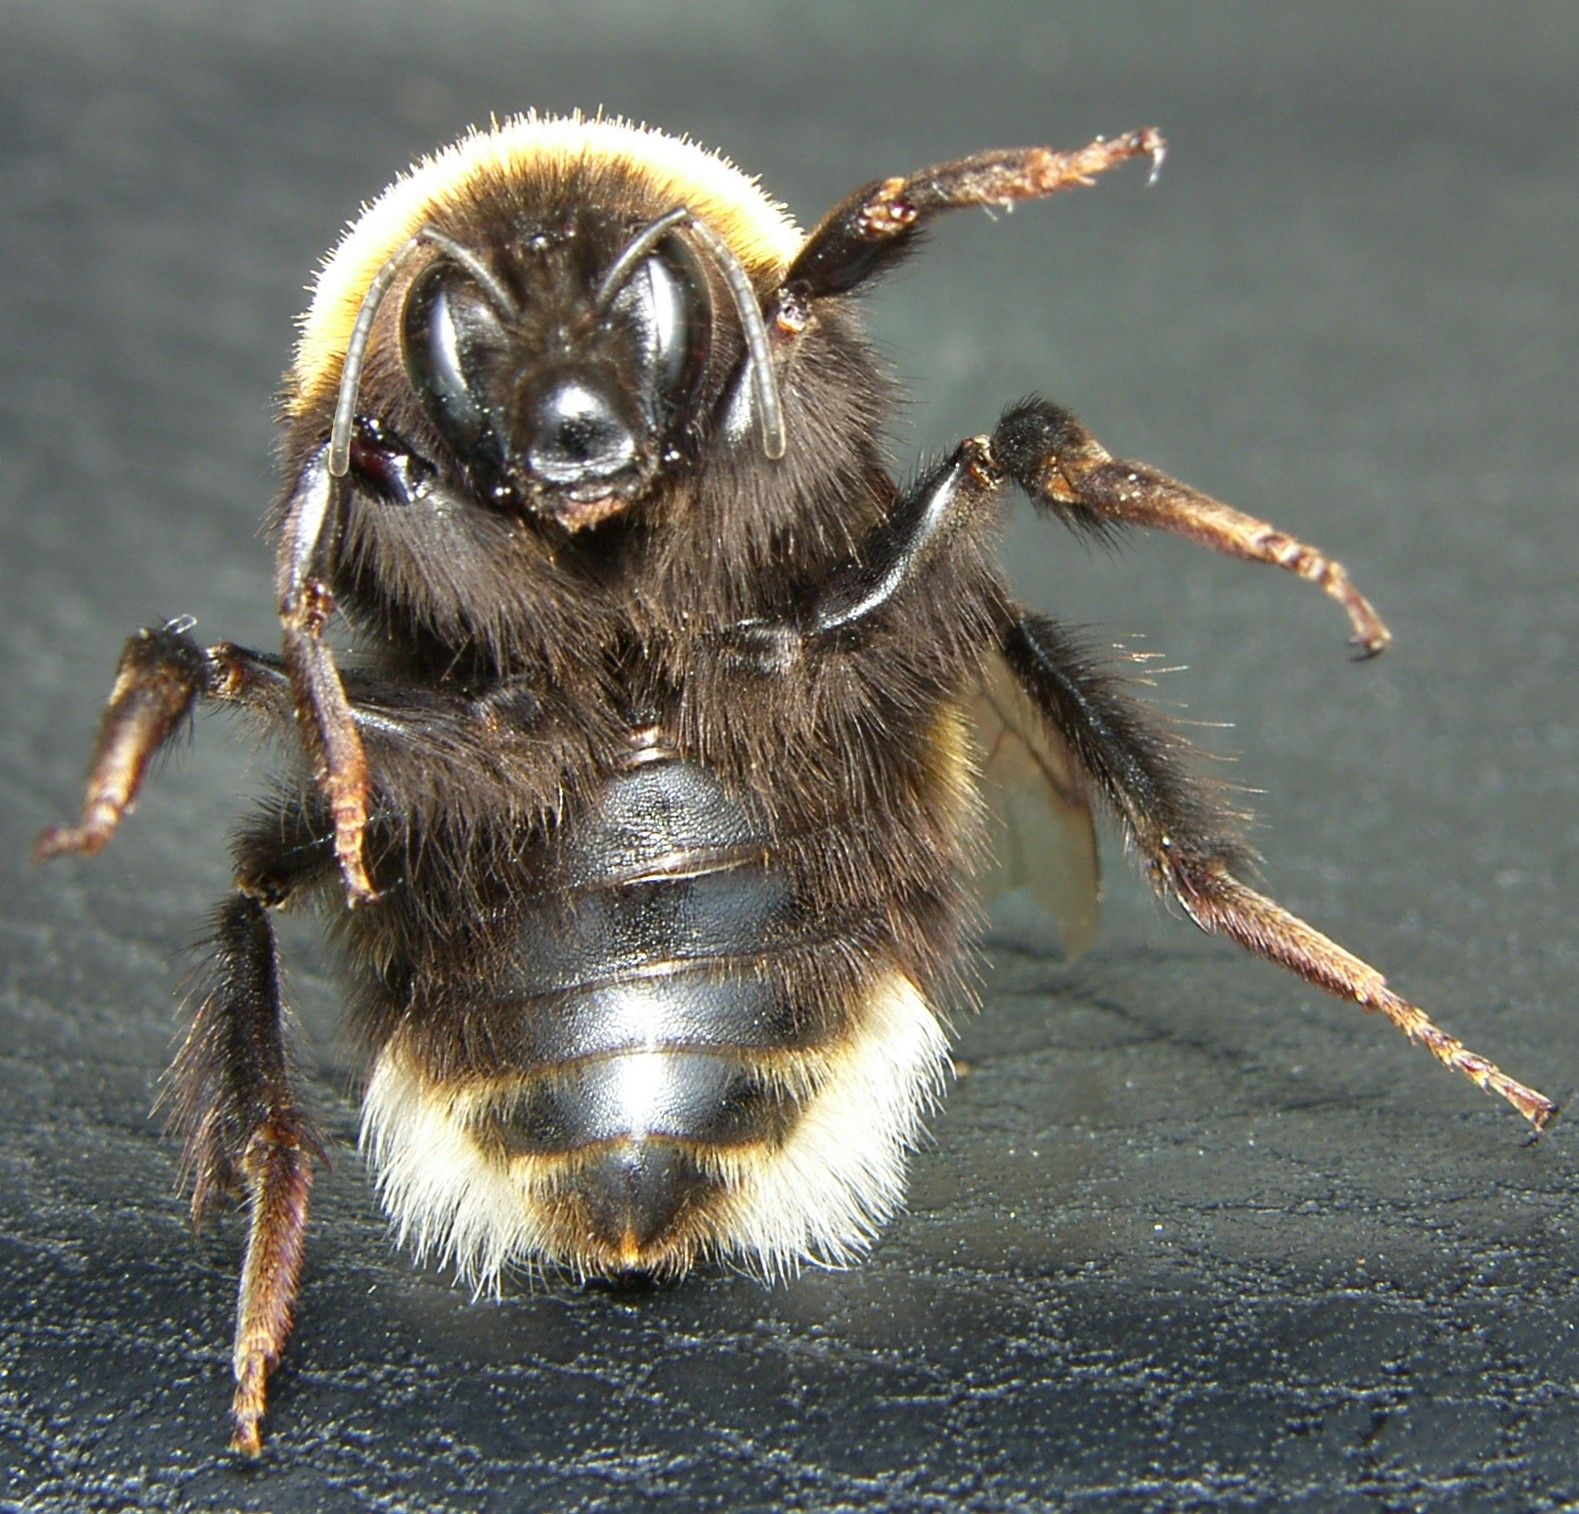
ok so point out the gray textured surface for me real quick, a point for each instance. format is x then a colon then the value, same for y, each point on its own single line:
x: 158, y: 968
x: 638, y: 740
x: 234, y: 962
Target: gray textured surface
x: 1190, y: 1233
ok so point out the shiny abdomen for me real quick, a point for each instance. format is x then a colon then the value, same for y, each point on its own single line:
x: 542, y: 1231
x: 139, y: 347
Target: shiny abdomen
x: 648, y: 1002
x: 691, y: 1055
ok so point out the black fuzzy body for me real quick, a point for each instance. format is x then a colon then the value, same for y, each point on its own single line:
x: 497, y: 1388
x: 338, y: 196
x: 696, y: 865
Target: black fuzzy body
x: 587, y: 800
x: 659, y: 848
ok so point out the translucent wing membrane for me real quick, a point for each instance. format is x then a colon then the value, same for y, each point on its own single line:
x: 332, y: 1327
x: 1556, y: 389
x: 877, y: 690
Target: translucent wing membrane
x: 1041, y: 833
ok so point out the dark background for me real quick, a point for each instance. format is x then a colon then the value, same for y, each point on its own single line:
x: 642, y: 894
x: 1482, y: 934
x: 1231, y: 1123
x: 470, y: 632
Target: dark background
x: 1190, y: 1233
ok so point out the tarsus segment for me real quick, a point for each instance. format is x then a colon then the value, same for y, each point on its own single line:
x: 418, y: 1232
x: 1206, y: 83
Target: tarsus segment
x: 161, y: 673
x: 1067, y: 471
x: 871, y: 230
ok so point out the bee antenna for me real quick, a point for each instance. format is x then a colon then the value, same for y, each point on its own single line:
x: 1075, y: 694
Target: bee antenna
x: 636, y: 249
x: 756, y: 334
x: 361, y: 332
x: 740, y: 291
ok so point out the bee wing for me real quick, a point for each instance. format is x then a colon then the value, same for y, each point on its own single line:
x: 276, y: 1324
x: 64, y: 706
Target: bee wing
x: 1039, y: 815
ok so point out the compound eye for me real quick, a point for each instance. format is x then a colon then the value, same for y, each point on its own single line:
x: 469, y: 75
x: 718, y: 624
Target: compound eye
x: 667, y: 301
x: 446, y: 329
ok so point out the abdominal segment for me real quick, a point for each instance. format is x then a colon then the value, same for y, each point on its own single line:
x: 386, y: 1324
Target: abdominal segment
x: 686, y: 1061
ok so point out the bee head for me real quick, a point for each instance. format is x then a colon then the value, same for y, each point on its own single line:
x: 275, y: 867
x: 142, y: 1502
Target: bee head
x: 565, y: 383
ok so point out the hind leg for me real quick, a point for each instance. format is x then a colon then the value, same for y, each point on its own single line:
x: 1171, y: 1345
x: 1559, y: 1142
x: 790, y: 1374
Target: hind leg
x: 1190, y: 842
x: 231, y: 1095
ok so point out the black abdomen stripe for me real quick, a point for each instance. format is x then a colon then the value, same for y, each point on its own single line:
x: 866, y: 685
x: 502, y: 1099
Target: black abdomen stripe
x: 596, y: 935
x: 703, y: 1006
x: 659, y: 928
x: 640, y: 982
x: 668, y: 994
x: 689, y: 1096
x: 680, y: 1032
x: 659, y: 818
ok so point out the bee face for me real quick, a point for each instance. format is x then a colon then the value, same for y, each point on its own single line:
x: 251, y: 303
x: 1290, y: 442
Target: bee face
x: 569, y: 379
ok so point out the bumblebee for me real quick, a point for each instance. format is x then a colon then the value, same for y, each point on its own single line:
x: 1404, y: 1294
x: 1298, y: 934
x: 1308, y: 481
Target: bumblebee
x: 652, y: 782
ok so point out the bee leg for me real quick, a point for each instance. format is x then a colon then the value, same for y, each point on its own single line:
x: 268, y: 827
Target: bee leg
x: 934, y: 533
x: 229, y: 1093
x: 1190, y: 840
x: 305, y: 605
x: 871, y: 230
x: 163, y: 672
x: 1066, y: 471
x: 389, y: 470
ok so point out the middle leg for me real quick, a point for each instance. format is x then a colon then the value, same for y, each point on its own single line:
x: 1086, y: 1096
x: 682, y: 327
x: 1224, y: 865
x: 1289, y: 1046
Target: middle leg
x: 1066, y: 471
x: 934, y: 539
x: 162, y: 675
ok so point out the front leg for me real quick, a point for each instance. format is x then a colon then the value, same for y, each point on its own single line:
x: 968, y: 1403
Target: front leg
x: 381, y: 463
x: 305, y: 604
x: 871, y: 230
x: 938, y: 525
x: 1067, y: 471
